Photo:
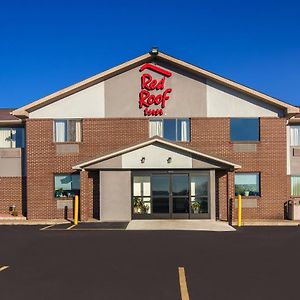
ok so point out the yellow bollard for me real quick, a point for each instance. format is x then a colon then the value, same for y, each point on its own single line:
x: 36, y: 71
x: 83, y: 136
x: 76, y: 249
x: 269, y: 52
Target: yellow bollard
x: 76, y: 207
x: 239, y: 210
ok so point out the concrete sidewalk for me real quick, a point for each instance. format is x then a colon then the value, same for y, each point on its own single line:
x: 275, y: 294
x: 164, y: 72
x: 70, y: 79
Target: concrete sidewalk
x: 201, y: 225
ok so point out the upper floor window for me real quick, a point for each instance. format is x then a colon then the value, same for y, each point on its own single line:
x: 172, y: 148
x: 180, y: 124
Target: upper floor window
x: 67, y: 131
x: 244, y: 129
x: 171, y: 129
x: 12, y: 137
x: 295, y: 135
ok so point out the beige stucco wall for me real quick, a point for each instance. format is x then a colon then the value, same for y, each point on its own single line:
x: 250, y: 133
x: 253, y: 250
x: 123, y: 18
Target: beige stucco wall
x: 191, y: 96
x: 88, y: 103
x: 10, y: 162
x: 225, y: 102
x: 187, y: 99
x: 115, y: 195
x: 156, y: 158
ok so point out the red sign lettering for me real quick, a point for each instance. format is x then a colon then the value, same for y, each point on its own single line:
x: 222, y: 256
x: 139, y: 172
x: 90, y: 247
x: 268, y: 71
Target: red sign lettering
x: 148, y: 85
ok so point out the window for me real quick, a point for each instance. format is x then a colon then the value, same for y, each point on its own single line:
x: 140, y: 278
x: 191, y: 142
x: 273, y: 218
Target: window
x: 247, y: 184
x: 295, y: 186
x: 244, y: 129
x: 66, y: 185
x: 171, y: 129
x: 199, y: 194
x: 141, y: 195
x: 12, y: 137
x: 67, y: 131
x: 295, y: 135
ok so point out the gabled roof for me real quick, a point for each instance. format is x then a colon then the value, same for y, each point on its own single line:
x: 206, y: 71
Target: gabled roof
x: 156, y: 140
x: 6, y: 117
x: 23, y: 111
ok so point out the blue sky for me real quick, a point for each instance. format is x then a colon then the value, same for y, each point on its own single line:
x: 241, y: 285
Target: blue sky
x: 48, y: 45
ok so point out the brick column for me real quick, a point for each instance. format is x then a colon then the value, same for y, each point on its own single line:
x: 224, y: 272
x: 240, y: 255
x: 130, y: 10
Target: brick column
x: 86, y: 196
x: 224, y: 192
x: 231, y: 192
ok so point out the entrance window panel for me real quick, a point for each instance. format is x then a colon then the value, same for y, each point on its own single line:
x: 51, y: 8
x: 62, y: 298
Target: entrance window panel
x: 199, y: 194
x: 181, y: 205
x: 141, y: 195
x: 160, y: 185
x: 199, y: 205
x: 180, y: 185
x: 199, y: 185
x: 160, y: 205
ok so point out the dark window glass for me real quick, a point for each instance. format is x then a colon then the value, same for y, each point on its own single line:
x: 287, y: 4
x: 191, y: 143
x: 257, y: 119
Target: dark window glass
x: 181, y: 205
x: 244, y: 129
x: 160, y: 185
x: 170, y: 129
x: 160, y: 205
x: 180, y: 185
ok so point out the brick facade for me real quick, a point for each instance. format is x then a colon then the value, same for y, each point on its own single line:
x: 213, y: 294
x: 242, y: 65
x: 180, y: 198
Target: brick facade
x: 101, y: 136
x: 13, y: 192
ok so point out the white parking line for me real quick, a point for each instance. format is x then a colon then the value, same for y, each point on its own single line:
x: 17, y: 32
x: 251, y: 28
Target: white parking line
x: 49, y: 226
x: 183, y: 285
x: 3, y: 268
x: 72, y: 226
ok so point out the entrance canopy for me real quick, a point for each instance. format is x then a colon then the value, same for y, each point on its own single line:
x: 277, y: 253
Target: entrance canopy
x: 157, y: 153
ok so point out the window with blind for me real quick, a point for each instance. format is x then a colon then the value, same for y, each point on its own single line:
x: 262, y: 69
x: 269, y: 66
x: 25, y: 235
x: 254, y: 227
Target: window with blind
x: 295, y: 135
x: 12, y: 137
x: 171, y: 129
x: 67, y: 131
x: 295, y: 186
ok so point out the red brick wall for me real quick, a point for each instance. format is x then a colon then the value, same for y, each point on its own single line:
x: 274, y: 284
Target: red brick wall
x: 101, y: 136
x: 12, y: 192
x: 212, y: 135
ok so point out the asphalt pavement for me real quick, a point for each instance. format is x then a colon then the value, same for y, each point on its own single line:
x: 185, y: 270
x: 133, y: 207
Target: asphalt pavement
x: 251, y: 263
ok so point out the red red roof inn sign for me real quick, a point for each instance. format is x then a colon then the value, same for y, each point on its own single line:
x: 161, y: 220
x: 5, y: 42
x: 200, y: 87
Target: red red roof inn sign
x: 153, y: 103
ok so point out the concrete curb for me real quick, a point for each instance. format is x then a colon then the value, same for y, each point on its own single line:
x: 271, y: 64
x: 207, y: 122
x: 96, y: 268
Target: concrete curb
x: 35, y: 222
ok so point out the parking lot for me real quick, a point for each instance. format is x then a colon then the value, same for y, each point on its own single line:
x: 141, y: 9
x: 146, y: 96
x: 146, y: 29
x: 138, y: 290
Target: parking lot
x: 110, y: 263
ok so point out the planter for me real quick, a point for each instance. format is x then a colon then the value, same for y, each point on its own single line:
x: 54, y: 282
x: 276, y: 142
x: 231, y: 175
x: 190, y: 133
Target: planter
x: 196, y: 210
x: 136, y: 210
x: 247, y: 193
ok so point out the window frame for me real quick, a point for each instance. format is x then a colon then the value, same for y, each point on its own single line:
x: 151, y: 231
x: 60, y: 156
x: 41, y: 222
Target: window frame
x: 293, y: 196
x: 259, y: 183
x: 246, y: 140
x: 65, y: 174
x: 16, y: 139
x: 290, y: 134
x: 67, y: 132
x: 176, y: 128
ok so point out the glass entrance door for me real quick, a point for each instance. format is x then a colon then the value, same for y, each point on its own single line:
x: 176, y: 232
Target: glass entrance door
x: 171, y: 195
x: 179, y: 196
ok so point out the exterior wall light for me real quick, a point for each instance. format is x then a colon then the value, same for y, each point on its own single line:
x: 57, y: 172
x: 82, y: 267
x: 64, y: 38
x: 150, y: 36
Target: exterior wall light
x: 143, y: 160
x: 169, y: 160
x: 154, y: 51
